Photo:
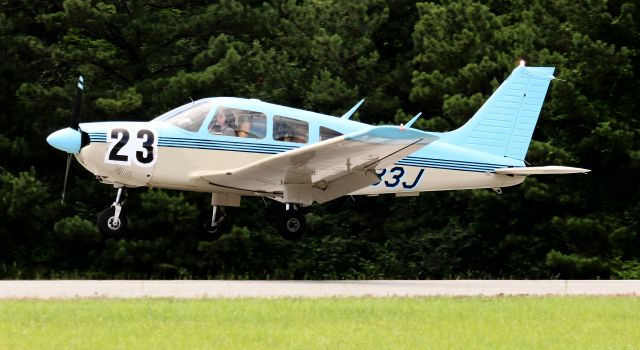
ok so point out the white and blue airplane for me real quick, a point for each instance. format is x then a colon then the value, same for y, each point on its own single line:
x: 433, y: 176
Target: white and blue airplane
x: 235, y: 147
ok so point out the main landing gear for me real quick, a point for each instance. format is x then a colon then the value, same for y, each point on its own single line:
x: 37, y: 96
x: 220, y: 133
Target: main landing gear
x: 112, y: 222
x: 211, y: 227
x: 292, y: 223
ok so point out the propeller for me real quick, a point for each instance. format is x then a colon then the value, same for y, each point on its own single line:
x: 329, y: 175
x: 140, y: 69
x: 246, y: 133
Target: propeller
x: 75, y: 124
x: 75, y: 117
x: 66, y: 176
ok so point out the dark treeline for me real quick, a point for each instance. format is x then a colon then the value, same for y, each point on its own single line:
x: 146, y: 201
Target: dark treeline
x: 444, y: 58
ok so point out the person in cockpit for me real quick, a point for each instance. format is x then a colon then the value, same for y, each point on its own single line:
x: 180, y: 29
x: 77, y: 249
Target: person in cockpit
x: 223, y: 123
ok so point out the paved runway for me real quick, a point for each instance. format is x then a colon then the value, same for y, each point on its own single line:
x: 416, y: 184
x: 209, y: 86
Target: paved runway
x: 72, y: 289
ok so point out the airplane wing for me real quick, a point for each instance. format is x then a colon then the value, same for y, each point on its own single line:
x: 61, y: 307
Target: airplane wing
x: 541, y: 170
x: 329, y: 168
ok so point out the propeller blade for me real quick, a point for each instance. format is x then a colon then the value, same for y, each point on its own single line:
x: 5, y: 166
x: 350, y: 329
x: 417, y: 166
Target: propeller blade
x: 67, y: 140
x: 75, y: 119
x: 66, y: 176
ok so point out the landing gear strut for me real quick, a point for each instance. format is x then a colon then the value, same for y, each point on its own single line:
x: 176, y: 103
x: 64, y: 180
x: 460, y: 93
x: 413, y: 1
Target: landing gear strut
x: 112, y: 222
x: 211, y: 226
x: 292, y: 224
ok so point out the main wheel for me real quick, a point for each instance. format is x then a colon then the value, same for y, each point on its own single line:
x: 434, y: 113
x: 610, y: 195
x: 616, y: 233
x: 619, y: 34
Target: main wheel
x: 292, y: 225
x: 209, y: 231
x: 109, y: 226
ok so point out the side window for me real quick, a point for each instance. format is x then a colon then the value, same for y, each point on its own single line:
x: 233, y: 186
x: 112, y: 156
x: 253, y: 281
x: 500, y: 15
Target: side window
x: 326, y: 133
x: 238, y: 122
x: 289, y: 129
x: 251, y: 124
x: 191, y: 119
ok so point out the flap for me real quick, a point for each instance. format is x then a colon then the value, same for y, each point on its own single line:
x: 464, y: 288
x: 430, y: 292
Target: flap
x: 322, y: 163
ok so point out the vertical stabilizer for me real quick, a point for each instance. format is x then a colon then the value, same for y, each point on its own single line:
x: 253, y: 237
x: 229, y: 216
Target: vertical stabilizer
x: 504, y: 125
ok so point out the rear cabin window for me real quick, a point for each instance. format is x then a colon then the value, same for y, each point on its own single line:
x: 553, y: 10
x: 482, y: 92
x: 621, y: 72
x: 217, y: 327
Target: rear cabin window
x: 290, y: 130
x: 238, y: 122
x: 326, y: 133
x: 191, y: 119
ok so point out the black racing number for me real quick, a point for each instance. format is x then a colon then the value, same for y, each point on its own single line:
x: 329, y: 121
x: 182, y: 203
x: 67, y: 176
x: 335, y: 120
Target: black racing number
x: 145, y: 156
x: 122, y: 135
x: 142, y: 150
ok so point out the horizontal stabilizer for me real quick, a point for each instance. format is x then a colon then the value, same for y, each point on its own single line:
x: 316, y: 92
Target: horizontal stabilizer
x: 542, y: 170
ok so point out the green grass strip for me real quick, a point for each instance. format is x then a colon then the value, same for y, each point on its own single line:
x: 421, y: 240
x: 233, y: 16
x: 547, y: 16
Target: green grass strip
x: 330, y: 323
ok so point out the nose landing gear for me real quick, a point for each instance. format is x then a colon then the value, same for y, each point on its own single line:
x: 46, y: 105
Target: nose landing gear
x: 112, y: 222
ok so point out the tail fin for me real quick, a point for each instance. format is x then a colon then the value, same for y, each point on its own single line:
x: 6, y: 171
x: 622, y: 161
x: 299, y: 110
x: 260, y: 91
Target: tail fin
x: 504, y: 125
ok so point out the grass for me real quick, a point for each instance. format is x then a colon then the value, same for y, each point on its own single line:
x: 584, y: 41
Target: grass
x: 331, y: 323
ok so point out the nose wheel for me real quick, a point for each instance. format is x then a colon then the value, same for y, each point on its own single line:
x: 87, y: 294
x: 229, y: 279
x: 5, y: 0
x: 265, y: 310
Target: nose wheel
x: 112, y: 223
x: 292, y: 223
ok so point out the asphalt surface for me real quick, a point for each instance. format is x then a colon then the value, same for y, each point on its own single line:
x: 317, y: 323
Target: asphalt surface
x: 73, y: 289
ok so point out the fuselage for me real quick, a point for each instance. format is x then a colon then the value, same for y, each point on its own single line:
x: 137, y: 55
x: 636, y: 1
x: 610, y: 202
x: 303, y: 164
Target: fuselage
x: 167, y: 151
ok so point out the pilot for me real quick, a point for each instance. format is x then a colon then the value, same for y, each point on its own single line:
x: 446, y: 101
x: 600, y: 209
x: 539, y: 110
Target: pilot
x: 223, y: 123
x: 244, y: 128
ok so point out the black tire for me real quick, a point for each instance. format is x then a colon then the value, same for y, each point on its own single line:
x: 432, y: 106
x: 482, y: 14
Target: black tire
x: 109, y: 227
x: 208, y: 231
x: 292, y: 225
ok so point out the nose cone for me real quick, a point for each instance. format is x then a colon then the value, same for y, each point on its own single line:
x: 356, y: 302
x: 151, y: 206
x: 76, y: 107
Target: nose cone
x: 68, y: 140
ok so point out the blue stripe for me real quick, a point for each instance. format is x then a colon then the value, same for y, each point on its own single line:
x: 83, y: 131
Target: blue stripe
x: 222, y: 148
x: 217, y: 145
x: 220, y: 144
x: 448, y: 167
x: 175, y: 142
x: 451, y: 161
x: 233, y: 146
x: 449, y: 164
x: 98, y: 136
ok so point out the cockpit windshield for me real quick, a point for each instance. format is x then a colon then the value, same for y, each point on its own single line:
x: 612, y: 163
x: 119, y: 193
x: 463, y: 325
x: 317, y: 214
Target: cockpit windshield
x: 188, y: 117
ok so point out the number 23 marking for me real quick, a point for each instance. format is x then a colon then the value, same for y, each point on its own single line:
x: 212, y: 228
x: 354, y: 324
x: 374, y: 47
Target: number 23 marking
x: 143, y: 149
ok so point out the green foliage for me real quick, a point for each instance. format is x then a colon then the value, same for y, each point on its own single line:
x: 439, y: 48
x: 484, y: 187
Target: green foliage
x: 573, y: 266
x: 627, y: 270
x: 25, y: 202
x: 77, y: 229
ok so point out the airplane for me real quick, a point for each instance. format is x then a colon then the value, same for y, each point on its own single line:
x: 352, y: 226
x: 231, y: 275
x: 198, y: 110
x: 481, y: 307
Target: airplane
x: 236, y: 147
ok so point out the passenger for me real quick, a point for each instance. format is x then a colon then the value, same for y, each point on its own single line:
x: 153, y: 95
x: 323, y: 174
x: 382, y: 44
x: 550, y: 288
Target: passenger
x: 223, y: 123
x: 300, y: 134
x: 244, y: 128
x: 297, y: 133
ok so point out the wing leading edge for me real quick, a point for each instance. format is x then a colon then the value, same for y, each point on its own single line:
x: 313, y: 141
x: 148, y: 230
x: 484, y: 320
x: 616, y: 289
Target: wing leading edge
x: 327, y: 169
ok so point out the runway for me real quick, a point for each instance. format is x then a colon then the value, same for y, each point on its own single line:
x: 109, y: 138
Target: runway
x: 75, y: 289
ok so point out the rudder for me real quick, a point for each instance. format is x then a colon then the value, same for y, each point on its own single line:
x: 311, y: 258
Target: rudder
x: 504, y: 124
